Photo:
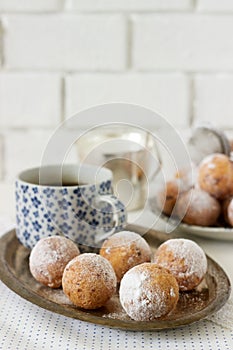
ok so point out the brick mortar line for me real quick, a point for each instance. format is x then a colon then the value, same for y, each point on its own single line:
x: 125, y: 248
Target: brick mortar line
x: 130, y: 70
x: 152, y: 12
x: 2, y: 42
x: 61, y: 73
x: 63, y: 96
x: 195, y: 3
x: 1, y: 45
x: 157, y: 73
x: 73, y: 12
x: 192, y: 100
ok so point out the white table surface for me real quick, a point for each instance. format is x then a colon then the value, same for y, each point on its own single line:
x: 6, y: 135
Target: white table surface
x: 24, y: 325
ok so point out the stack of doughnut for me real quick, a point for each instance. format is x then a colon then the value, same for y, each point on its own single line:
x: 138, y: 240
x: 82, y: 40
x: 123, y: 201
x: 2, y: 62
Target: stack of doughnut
x: 206, y: 202
x: 149, y: 283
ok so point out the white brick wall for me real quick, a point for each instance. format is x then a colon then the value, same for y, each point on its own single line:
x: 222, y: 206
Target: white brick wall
x: 215, y: 5
x: 30, y: 99
x: 30, y: 5
x: 24, y: 149
x: 188, y: 42
x: 129, y: 5
x: 213, y: 99
x: 151, y: 90
x: 58, y: 42
x: 60, y: 56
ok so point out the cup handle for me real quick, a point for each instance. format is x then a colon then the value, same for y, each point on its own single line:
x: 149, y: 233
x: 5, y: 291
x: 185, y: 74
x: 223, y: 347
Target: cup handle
x: 119, y: 215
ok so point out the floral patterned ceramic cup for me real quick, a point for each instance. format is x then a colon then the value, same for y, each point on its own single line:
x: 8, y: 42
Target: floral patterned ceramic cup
x: 74, y: 201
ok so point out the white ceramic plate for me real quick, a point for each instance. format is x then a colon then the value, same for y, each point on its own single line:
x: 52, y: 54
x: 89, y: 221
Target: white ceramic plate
x: 218, y: 233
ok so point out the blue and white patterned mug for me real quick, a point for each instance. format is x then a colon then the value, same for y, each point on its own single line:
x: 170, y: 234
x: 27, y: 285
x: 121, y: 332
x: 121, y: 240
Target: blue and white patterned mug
x: 74, y: 201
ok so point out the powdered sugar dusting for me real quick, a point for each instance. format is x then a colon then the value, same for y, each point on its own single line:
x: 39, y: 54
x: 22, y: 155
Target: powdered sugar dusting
x: 57, y: 296
x: 124, y: 250
x: 192, y: 255
x: 92, y: 267
x: 141, y: 299
x: 211, y: 166
x: 209, y: 160
x: 200, y: 200
x: 127, y: 237
x: 172, y: 293
x: 49, y: 257
x: 49, y: 250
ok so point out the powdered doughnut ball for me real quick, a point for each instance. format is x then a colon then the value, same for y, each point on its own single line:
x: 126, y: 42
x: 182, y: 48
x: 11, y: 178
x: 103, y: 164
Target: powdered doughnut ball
x: 89, y: 281
x: 215, y: 175
x: 197, y: 207
x: 148, y: 292
x: 167, y: 196
x: 49, y: 257
x: 124, y: 250
x: 184, y: 259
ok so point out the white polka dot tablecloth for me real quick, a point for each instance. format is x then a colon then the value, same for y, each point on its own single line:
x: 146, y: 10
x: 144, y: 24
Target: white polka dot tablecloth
x: 24, y: 325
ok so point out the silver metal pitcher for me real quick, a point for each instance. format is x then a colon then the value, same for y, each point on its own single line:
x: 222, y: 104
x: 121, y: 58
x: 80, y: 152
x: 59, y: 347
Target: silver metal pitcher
x: 129, y: 152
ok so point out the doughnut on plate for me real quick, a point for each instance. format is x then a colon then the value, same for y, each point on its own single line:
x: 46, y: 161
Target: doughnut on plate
x: 215, y: 232
x: 206, y: 299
